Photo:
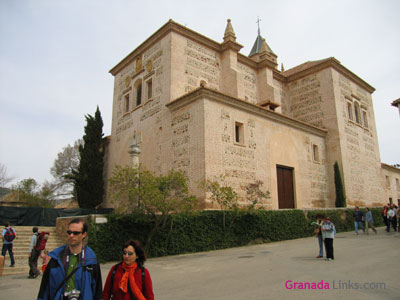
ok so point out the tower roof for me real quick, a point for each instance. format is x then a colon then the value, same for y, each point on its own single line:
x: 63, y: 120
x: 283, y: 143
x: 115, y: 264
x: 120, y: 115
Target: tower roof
x: 258, y: 44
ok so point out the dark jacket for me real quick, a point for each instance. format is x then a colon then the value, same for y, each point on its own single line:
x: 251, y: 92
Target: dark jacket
x: 87, y: 277
x: 358, y: 215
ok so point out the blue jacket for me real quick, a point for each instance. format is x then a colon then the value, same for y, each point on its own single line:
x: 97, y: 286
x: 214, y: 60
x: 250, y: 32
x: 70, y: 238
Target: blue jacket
x: 87, y: 277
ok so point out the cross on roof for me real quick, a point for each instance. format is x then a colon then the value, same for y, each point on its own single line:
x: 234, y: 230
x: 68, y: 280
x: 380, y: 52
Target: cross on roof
x: 258, y: 22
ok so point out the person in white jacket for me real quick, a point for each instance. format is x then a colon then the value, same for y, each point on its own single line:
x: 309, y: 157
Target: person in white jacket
x: 328, y: 234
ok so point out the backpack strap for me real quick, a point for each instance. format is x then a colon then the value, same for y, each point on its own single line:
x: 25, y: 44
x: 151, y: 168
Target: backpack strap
x: 112, y: 277
x: 143, y: 285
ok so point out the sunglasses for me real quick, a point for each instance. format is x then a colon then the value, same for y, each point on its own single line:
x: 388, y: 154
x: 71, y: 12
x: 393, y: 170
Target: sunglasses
x: 74, y: 232
x: 127, y: 252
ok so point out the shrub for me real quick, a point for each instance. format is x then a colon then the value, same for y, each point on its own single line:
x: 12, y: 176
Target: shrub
x: 202, y: 230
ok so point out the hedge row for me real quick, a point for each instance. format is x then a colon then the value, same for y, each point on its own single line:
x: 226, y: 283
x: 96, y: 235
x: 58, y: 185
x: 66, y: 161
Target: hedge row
x: 204, y: 231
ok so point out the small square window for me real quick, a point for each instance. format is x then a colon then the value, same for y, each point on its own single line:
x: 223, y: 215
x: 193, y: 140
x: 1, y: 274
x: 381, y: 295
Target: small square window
x: 239, y: 133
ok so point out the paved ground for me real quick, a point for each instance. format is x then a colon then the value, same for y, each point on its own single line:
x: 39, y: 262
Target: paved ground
x: 267, y: 271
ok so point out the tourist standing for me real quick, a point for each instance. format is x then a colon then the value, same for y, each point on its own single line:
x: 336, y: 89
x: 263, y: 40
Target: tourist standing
x: 33, y: 255
x: 8, y: 235
x: 318, y: 234
x: 390, y: 216
x: 328, y: 233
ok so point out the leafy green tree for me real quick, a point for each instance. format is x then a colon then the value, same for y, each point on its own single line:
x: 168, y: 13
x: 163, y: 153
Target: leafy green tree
x: 222, y: 194
x: 155, y: 196
x: 340, y: 196
x: 29, y: 193
x: 88, y: 179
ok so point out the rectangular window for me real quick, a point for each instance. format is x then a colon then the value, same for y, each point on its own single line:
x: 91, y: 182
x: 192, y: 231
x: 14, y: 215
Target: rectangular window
x: 315, y: 152
x: 365, y: 119
x: 126, y: 104
x: 357, y: 112
x: 139, y: 95
x: 387, y: 181
x: 149, y: 89
x: 350, y: 110
x: 397, y: 184
x: 239, y: 133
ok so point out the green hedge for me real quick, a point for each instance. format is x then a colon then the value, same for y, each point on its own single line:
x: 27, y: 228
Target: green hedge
x: 203, y: 231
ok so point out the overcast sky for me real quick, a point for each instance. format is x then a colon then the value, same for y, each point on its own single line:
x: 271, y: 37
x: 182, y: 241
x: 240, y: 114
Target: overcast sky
x: 55, y: 56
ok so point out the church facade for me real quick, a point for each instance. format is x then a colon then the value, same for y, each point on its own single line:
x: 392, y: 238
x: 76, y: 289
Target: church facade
x: 189, y: 103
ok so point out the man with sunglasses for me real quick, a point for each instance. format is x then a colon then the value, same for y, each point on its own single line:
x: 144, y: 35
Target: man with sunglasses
x: 73, y: 271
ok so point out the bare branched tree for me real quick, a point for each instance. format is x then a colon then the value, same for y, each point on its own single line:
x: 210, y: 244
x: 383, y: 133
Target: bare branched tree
x: 67, y: 160
x: 4, y: 178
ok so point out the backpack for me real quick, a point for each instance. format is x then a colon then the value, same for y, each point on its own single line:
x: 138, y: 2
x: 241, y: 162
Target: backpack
x: 10, y: 234
x: 41, y: 240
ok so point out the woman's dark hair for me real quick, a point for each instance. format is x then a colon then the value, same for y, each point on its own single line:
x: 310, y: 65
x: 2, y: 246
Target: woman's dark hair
x: 139, y: 250
x: 35, y: 229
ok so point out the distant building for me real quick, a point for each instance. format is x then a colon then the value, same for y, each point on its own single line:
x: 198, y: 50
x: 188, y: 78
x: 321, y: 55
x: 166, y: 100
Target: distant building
x: 193, y: 104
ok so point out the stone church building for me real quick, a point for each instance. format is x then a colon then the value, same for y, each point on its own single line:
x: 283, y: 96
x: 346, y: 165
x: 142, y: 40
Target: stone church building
x: 183, y: 101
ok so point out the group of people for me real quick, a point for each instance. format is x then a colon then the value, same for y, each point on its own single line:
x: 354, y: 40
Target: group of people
x: 73, y: 272
x: 325, y: 232
x: 391, y: 216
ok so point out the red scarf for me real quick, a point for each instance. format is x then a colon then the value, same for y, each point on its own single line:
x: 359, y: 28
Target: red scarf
x: 128, y: 276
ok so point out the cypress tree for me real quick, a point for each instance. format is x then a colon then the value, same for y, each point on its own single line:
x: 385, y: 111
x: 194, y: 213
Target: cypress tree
x: 340, y: 196
x: 88, y: 179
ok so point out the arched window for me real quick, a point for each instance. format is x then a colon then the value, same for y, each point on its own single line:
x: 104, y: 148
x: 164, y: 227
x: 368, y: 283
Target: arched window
x: 138, y: 87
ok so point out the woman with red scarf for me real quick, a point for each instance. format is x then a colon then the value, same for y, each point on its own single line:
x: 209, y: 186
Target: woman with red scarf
x: 129, y: 279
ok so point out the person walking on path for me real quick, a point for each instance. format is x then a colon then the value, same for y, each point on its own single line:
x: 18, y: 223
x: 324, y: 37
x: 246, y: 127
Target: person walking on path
x: 328, y: 233
x: 8, y: 236
x: 358, y: 220
x: 369, y: 221
x: 129, y: 279
x: 73, y: 271
x: 33, y: 255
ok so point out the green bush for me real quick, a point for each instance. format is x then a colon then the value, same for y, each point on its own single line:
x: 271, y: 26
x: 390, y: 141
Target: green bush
x: 204, y: 231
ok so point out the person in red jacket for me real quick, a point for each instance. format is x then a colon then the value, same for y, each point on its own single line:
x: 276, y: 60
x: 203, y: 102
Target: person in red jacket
x: 129, y: 279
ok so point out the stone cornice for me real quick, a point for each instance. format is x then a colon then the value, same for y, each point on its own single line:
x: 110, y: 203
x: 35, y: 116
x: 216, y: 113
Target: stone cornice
x: 213, y: 95
x: 330, y: 63
x: 168, y: 27
x: 389, y: 167
x: 172, y: 26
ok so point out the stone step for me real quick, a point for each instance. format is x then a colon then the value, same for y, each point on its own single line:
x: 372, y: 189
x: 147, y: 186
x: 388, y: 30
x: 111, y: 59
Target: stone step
x: 21, y: 248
